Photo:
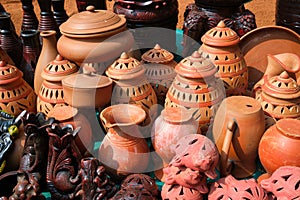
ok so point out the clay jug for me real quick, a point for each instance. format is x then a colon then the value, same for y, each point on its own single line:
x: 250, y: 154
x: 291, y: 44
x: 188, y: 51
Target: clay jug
x: 279, y: 146
x: 239, y: 122
x: 48, y: 53
x: 123, y: 150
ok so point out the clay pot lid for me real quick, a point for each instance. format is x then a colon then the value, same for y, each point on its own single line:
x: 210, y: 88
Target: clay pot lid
x: 220, y: 36
x: 86, y: 81
x: 242, y: 105
x: 282, y: 86
x: 289, y: 127
x: 157, y: 55
x: 125, y: 68
x: 9, y: 73
x: 195, y: 66
x: 62, y: 113
x: 92, y: 23
x: 176, y: 114
x: 58, y: 69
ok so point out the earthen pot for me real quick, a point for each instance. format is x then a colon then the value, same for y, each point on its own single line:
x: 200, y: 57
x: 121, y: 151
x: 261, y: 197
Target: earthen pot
x: 94, y: 36
x: 279, y: 145
x: 123, y: 150
x: 239, y: 122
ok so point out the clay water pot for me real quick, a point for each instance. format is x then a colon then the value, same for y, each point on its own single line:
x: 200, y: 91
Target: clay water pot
x: 279, y: 146
x: 238, y: 123
x: 123, y: 150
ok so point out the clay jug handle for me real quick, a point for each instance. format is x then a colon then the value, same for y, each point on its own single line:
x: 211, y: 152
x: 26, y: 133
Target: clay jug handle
x: 231, y: 127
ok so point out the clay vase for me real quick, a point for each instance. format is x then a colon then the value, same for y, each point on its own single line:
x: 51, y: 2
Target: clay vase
x: 123, y: 150
x: 48, y: 53
x: 29, y: 20
x: 16, y: 94
x: 159, y: 69
x: 221, y: 45
x: 196, y: 88
x: 285, y: 139
x: 47, y: 21
x: 70, y: 115
x: 51, y: 93
x: 239, y: 122
x: 59, y: 12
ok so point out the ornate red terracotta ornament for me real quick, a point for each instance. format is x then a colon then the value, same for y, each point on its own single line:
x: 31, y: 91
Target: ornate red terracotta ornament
x: 179, y: 192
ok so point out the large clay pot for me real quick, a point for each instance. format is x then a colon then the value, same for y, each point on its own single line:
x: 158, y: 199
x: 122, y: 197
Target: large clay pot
x: 220, y: 44
x: 123, y: 150
x: 279, y: 146
x: 239, y: 122
x: 196, y: 88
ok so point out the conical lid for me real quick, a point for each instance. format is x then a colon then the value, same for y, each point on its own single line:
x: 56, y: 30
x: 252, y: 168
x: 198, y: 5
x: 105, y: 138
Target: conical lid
x: 195, y: 66
x: 220, y: 36
x: 92, y: 22
x: 157, y: 55
x: 282, y: 86
x: 9, y: 73
x: 58, y: 69
x: 125, y: 68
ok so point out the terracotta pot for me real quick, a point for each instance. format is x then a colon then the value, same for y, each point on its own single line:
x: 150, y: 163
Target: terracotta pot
x: 70, y: 115
x: 16, y: 94
x: 179, y: 192
x: 123, y: 150
x: 196, y: 88
x: 87, y: 90
x: 51, y: 93
x: 221, y: 45
x: 285, y: 139
x: 97, y: 33
x: 239, y: 122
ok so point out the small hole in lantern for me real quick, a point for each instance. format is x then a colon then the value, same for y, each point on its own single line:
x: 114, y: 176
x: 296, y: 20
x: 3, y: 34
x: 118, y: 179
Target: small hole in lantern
x: 249, y: 106
x: 193, y: 141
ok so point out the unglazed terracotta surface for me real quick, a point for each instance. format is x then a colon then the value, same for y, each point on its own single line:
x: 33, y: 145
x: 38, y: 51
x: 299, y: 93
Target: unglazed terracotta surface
x: 179, y: 192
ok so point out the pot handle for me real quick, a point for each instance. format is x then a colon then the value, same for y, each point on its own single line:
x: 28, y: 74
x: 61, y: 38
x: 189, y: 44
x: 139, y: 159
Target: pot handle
x: 230, y: 130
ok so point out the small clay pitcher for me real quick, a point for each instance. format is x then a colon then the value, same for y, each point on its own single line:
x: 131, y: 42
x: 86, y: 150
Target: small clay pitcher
x: 239, y: 122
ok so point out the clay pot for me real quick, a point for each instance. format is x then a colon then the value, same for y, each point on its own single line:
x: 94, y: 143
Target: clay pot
x: 16, y: 94
x: 221, y: 45
x: 179, y: 192
x: 51, y: 93
x: 196, y: 88
x: 87, y: 90
x: 70, y: 115
x: 97, y: 33
x: 286, y: 14
x: 285, y: 139
x: 123, y: 150
x: 239, y: 122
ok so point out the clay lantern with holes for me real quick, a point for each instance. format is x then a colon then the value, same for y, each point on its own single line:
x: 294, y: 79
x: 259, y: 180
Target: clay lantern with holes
x: 159, y: 69
x: 15, y: 94
x: 196, y: 88
x: 221, y: 45
x: 51, y: 92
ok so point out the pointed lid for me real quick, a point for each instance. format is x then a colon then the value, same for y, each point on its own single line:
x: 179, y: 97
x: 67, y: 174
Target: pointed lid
x: 220, y: 36
x: 195, y: 66
x: 125, y: 68
x: 282, y: 86
x: 9, y: 73
x: 58, y: 69
x: 92, y: 22
x: 157, y: 55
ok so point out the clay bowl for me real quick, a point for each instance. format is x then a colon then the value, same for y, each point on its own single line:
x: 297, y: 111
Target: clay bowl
x: 256, y: 44
x: 79, y: 90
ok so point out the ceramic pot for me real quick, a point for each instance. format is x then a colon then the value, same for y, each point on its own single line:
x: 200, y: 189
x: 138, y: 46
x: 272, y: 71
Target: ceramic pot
x: 59, y: 12
x: 46, y: 21
x: 51, y: 93
x: 123, y: 150
x: 221, y: 45
x: 70, y: 115
x: 179, y: 192
x: 29, y: 20
x: 239, y: 122
x: 100, y: 34
x: 87, y: 90
x: 196, y: 88
x: 286, y: 14
x: 16, y: 94
x: 48, y: 53
x: 285, y: 139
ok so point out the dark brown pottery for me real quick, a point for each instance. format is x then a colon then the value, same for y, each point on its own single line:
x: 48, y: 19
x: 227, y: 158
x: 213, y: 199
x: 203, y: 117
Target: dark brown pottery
x: 47, y: 21
x: 287, y: 14
x: 98, y: 4
x: 59, y: 12
x: 29, y: 20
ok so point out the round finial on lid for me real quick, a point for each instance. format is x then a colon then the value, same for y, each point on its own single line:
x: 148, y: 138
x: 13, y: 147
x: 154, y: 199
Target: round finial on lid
x: 284, y: 75
x: 90, y: 8
x: 2, y: 63
x: 124, y: 55
x: 157, y: 55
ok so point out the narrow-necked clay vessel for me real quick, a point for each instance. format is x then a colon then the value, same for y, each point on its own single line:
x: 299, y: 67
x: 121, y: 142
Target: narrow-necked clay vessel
x: 16, y: 94
x: 51, y: 92
x: 196, y: 88
x: 279, y: 146
x: 238, y: 123
x: 221, y: 45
